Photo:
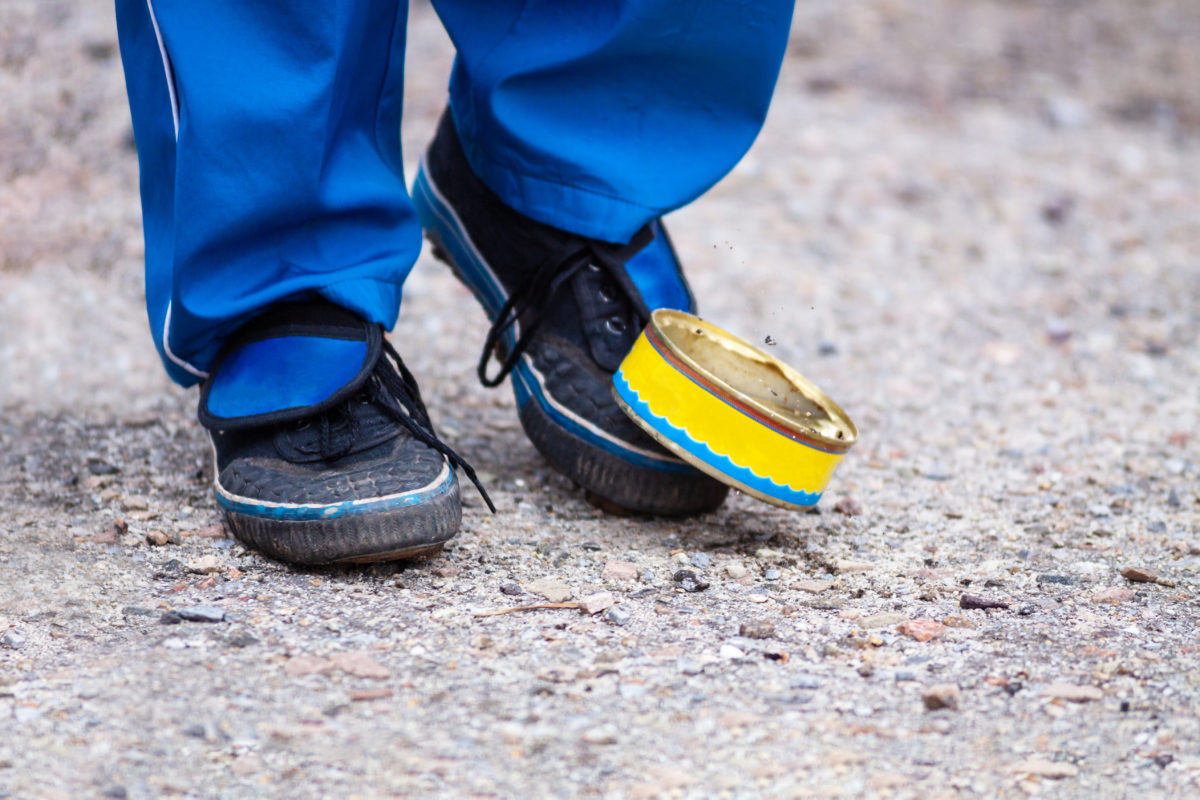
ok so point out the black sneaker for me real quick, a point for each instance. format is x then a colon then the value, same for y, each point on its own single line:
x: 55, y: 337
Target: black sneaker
x: 323, y: 450
x: 565, y: 311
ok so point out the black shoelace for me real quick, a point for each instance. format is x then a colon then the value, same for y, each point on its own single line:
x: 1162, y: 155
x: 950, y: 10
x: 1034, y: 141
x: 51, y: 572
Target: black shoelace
x: 394, y: 389
x: 530, y: 302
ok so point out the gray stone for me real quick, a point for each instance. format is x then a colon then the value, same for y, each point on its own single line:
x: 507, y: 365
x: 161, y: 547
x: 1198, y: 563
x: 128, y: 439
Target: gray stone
x: 552, y: 590
x: 205, y: 565
x: 757, y: 629
x: 13, y: 640
x: 194, y: 614
x: 617, y: 615
x: 595, y: 603
x: 943, y: 695
x: 689, y: 581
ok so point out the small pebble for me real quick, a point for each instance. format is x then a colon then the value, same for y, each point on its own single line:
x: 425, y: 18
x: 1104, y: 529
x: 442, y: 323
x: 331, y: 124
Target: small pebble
x: 204, y: 565
x: 1067, y: 113
x: 1073, y: 693
x: 617, y: 615
x: 938, y: 472
x: 848, y: 506
x: 157, y: 538
x: 241, y: 639
x: 619, y: 571
x: 883, y: 620
x: 511, y: 589
x: 602, y: 735
x: 194, y: 614
x: 593, y: 546
x: 1115, y: 594
x: 196, y: 731
x: 135, y: 503
x: 922, y: 630
x: 689, y: 581
x: 13, y: 640
x: 974, y: 601
x: 1139, y: 575
x: 595, y: 603
x: 942, y: 695
x: 730, y: 652
x: 552, y: 590
x: 1057, y: 330
x: 1065, y: 580
x: 700, y: 560
x: 112, y: 532
x: 757, y: 629
x: 771, y: 574
x: 736, y: 570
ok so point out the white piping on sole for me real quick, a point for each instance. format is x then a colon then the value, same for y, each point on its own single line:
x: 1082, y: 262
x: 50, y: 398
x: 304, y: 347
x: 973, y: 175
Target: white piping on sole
x: 253, y: 501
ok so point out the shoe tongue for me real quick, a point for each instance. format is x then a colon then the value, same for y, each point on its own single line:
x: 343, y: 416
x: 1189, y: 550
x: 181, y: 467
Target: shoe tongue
x: 294, y: 361
x: 656, y: 273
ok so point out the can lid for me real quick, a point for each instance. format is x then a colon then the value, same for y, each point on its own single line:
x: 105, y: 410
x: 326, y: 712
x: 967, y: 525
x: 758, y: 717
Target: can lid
x: 757, y: 382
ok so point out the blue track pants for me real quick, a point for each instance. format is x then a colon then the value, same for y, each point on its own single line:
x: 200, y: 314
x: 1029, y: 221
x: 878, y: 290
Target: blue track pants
x: 268, y: 135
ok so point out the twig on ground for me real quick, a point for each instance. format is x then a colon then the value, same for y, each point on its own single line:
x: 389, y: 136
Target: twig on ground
x: 513, y: 609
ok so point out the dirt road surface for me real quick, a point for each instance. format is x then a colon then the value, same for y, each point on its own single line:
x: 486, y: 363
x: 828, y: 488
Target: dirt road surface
x: 976, y: 224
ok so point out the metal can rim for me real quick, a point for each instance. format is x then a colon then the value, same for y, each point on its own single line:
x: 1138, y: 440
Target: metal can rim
x: 658, y: 330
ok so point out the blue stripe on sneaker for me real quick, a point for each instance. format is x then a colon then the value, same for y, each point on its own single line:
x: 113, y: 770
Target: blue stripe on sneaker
x: 295, y: 512
x: 437, y: 217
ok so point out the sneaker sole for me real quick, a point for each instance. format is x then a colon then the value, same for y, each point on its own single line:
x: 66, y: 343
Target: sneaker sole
x: 613, y: 472
x: 400, y: 526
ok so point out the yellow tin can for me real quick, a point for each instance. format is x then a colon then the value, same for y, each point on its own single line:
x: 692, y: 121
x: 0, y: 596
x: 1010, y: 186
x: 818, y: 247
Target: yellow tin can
x: 733, y: 411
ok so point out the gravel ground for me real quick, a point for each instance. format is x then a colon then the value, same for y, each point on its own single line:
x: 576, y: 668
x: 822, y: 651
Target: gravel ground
x: 977, y: 225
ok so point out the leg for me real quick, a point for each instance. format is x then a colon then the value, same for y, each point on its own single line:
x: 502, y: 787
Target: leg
x: 268, y: 140
x: 572, y: 128
x: 278, y: 233
x: 598, y: 117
